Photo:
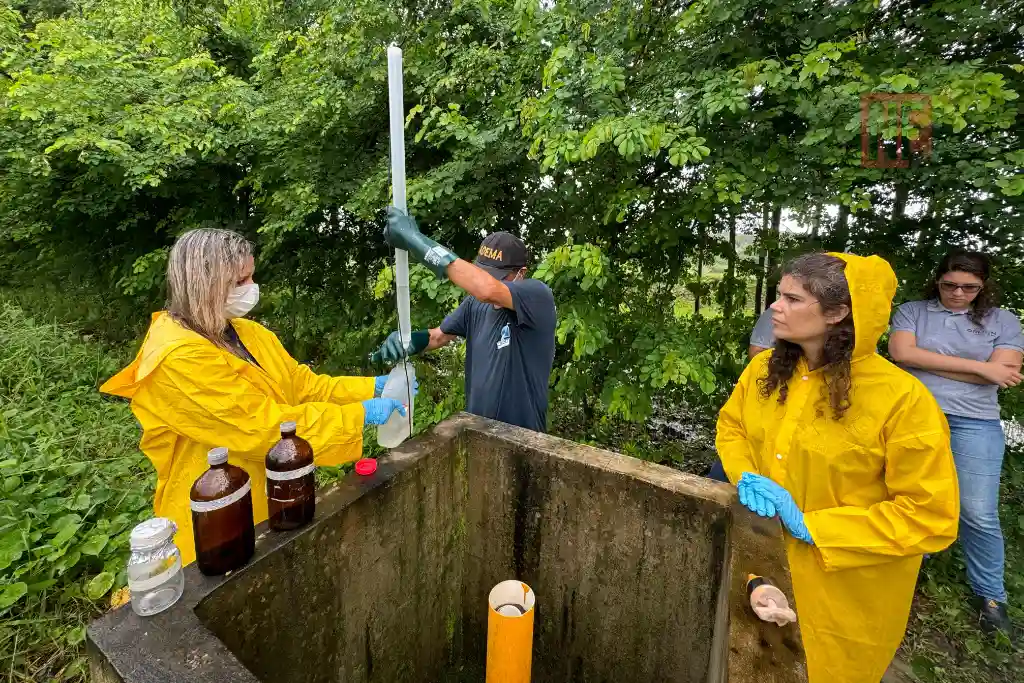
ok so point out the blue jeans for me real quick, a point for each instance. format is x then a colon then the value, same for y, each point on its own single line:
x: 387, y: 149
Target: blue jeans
x: 718, y: 472
x: 978, y: 447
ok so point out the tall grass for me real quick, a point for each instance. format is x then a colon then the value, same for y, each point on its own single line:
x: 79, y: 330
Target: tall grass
x: 73, y: 486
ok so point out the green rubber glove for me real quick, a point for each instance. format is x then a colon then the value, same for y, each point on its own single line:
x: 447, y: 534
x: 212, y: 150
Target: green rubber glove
x: 391, y: 350
x: 402, y: 233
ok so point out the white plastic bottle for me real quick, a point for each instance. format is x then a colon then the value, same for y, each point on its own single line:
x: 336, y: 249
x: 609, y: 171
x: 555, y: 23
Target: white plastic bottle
x: 397, y: 428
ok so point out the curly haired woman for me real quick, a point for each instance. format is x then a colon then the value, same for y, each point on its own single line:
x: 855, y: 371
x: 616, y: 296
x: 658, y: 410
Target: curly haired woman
x: 964, y: 349
x: 851, y: 453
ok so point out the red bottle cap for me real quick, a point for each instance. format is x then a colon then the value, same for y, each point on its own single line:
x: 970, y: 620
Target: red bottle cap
x: 366, y: 466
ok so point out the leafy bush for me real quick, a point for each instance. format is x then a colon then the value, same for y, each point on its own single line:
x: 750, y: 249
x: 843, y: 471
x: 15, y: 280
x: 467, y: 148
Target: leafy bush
x: 73, y: 486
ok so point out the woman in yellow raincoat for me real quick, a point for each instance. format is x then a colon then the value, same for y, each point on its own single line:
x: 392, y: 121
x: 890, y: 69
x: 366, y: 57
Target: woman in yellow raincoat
x: 206, y: 377
x: 851, y: 453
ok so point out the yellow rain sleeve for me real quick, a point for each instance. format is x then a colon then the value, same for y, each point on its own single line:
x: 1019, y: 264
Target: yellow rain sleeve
x: 731, y: 439
x: 306, y: 385
x: 921, y: 514
x: 201, y: 397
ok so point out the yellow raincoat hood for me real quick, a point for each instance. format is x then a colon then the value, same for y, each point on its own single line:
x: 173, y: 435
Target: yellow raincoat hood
x: 190, y: 396
x: 877, y: 488
x: 872, y: 286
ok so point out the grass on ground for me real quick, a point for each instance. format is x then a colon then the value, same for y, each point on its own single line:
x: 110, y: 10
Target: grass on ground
x: 74, y: 484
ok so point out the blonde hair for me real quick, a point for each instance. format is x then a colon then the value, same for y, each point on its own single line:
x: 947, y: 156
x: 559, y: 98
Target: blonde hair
x: 202, y: 269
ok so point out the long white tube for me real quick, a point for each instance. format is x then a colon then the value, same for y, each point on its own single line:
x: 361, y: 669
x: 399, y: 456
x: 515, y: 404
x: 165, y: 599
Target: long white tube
x: 396, y: 115
x: 396, y: 109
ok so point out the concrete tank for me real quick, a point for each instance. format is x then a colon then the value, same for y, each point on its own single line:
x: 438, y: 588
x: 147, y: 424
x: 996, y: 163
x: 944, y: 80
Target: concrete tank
x: 639, y: 572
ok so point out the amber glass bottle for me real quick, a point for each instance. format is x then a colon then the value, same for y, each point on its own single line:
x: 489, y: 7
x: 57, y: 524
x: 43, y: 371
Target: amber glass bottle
x: 222, y: 521
x: 291, y: 481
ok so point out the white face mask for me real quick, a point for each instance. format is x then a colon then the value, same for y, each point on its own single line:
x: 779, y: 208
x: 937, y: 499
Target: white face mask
x: 241, y: 300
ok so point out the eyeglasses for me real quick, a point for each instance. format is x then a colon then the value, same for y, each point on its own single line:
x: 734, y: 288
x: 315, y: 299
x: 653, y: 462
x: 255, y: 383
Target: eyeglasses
x: 950, y: 287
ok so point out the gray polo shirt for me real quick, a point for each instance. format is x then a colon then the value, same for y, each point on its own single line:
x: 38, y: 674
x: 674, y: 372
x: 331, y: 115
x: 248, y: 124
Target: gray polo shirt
x: 763, y: 334
x: 940, y: 330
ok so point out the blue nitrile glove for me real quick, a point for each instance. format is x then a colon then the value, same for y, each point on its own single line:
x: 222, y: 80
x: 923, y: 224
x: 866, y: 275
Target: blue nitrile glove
x: 402, y: 232
x: 754, y: 501
x: 792, y: 517
x: 379, y: 382
x: 378, y: 410
x: 391, y: 350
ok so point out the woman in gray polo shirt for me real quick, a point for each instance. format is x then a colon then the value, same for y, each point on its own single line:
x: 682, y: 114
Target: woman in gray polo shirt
x: 964, y: 349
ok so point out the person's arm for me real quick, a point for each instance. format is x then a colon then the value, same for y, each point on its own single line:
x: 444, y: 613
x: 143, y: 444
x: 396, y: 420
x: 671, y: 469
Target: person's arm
x: 480, y: 284
x: 311, y: 387
x: 403, y: 233
x: 904, y: 350
x: 731, y: 440
x: 1010, y: 357
x: 921, y: 513
x: 203, y: 399
x: 439, y: 338
x: 962, y: 377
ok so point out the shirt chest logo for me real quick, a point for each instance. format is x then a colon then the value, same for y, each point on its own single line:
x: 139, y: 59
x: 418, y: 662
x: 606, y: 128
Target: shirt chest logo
x: 506, y: 336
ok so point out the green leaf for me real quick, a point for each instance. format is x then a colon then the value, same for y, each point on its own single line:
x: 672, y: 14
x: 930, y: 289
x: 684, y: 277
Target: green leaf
x: 99, y: 586
x: 95, y: 544
x: 76, y: 636
x: 11, y: 593
x: 65, y: 534
x: 81, y: 502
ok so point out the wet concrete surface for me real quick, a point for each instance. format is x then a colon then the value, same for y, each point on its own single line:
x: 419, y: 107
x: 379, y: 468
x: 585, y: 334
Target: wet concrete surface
x: 639, y: 571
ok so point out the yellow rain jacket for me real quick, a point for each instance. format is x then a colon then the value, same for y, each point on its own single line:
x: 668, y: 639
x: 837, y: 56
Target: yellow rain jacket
x: 190, y: 396
x: 878, y: 488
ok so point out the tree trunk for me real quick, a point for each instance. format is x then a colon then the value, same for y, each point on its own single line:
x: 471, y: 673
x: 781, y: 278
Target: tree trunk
x: 841, y: 231
x: 762, y: 238
x: 731, y: 290
x: 696, y: 290
x: 899, y: 205
x: 772, y: 291
x: 930, y: 226
x: 816, y: 224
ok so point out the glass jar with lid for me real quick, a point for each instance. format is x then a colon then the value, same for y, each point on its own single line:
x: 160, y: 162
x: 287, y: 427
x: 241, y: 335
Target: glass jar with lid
x: 155, y: 575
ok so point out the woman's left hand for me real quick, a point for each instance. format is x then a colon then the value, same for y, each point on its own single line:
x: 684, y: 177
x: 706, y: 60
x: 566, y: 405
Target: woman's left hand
x: 791, y: 515
x: 381, y: 380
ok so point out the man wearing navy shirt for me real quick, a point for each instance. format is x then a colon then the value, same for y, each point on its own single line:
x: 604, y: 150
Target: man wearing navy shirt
x: 508, y: 322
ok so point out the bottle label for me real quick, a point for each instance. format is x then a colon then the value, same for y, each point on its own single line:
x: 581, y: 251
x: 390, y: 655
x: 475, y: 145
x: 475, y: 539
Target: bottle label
x: 142, y: 585
x: 289, y: 500
x: 293, y: 474
x: 211, y: 505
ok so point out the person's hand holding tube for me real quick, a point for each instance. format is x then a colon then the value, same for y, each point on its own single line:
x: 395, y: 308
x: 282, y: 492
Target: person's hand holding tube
x: 402, y: 232
x: 377, y: 411
x: 757, y: 487
x: 393, y: 350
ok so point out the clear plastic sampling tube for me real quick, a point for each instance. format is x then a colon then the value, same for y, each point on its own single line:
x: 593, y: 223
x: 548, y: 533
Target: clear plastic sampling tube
x: 398, y: 429
x: 396, y: 109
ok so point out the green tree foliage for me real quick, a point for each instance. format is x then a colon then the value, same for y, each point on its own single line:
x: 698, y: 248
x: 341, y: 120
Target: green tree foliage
x: 620, y: 139
x: 660, y: 157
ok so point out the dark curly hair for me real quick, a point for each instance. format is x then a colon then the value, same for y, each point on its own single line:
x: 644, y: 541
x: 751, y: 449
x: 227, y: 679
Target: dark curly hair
x: 824, y: 277
x: 975, y: 263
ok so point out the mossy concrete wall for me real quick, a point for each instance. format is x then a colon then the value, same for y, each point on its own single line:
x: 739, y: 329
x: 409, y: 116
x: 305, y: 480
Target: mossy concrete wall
x: 638, y: 572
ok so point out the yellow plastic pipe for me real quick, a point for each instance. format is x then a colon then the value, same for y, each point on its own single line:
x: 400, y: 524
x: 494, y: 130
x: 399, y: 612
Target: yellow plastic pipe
x: 510, y: 632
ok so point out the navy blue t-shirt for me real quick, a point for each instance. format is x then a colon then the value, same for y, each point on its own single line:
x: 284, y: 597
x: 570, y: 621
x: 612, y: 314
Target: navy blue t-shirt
x: 509, y: 354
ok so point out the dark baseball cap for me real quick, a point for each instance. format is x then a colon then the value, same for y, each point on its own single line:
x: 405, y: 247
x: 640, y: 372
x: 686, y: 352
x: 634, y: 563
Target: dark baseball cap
x: 502, y: 253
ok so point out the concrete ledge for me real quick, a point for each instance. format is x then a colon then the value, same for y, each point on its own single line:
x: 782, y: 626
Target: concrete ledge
x: 639, y: 571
